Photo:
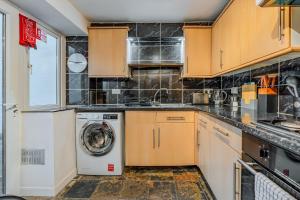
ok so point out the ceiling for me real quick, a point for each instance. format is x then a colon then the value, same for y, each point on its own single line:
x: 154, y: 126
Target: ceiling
x: 149, y: 10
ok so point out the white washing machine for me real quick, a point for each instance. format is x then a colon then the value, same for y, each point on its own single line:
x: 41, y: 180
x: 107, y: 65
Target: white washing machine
x: 99, y: 143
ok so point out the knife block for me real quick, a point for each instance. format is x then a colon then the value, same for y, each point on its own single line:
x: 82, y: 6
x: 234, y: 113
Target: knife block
x: 267, y: 103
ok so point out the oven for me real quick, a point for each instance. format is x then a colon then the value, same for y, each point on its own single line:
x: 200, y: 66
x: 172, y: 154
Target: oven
x: 279, y: 165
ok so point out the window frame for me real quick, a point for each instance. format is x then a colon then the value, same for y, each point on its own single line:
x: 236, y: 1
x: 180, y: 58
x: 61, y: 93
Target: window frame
x: 58, y: 103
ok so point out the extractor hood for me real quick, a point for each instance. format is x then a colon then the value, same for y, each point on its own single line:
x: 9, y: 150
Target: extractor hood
x: 277, y: 3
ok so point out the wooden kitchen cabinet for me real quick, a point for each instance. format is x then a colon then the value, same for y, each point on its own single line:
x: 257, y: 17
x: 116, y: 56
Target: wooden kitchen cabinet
x: 230, y: 37
x: 159, y: 138
x: 108, y: 52
x: 176, y: 144
x: 246, y: 34
x: 197, y: 51
x: 263, y: 32
x: 216, y: 49
x: 226, y: 40
x: 204, y: 144
x: 140, y: 138
x: 219, y: 150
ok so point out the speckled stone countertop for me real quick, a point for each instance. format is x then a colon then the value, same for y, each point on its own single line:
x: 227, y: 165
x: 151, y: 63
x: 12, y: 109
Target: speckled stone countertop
x: 244, y: 119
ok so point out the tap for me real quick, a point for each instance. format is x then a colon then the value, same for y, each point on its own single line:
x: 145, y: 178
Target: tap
x: 156, y: 93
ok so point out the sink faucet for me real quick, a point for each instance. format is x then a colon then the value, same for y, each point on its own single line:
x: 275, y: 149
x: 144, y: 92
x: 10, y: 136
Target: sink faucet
x: 156, y: 93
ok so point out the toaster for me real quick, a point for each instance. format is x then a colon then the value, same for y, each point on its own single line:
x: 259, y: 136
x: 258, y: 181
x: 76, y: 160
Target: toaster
x: 200, y: 98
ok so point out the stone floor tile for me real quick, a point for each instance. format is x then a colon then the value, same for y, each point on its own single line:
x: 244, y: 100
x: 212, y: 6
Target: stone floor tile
x: 135, y: 190
x: 107, y: 190
x: 81, y: 189
x: 162, y: 191
x: 188, y: 191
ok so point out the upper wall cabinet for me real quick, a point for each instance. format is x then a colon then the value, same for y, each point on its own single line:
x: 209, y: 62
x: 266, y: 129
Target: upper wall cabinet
x: 197, y: 51
x: 226, y: 39
x: 247, y: 34
x: 108, y: 52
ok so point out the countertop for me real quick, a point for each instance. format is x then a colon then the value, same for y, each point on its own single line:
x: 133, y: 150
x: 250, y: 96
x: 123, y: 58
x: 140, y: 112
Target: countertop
x: 241, y: 118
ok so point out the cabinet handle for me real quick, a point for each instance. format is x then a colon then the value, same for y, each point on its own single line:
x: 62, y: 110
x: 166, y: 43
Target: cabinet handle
x: 237, y: 183
x: 175, y: 118
x: 153, y: 132
x: 198, y: 137
x: 158, y: 137
x: 281, y: 23
x: 187, y: 64
x: 202, y: 125
x: 204, y: 122
x: 221, y: 58
x: 222, y: 132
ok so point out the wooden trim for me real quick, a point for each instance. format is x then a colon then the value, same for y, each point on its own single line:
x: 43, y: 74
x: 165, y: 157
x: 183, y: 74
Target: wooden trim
x: 223, y: 11
x: 108, y: 27
x: 195, y: 26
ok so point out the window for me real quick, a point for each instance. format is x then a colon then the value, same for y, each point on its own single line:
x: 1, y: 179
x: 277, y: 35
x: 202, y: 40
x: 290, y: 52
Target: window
x: 44, y: 74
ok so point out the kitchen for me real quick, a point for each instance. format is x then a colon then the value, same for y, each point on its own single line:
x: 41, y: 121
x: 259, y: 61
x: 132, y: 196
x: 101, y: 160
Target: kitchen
x: 150, y: 99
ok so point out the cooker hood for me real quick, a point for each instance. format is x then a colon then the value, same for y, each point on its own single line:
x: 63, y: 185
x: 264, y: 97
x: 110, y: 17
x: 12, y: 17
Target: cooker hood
x: 277, y: 3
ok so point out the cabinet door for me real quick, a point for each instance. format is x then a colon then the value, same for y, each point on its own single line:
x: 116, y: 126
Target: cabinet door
x: 197, y: 52
x: 176, y: 144
x: 216, y: 48
x: 204, y: 146
x: 140, y: 138
x: 264, y: 27
x: 230, y: 37
x: 108, y: 52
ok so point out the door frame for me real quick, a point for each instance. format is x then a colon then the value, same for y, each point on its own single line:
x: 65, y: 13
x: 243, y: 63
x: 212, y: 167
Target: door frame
x: 3, y: 162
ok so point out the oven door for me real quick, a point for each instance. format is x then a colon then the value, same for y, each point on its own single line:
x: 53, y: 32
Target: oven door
x: 248, y: 168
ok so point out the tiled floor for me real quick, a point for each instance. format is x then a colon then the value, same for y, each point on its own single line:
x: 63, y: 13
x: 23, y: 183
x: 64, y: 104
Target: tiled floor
x: 178, y: 183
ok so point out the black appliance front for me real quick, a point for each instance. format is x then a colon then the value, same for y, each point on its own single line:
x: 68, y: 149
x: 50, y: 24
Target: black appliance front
x: 278, y: 164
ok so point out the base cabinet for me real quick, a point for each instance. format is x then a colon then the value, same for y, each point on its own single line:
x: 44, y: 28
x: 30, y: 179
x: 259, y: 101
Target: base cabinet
x: 159, y: 138
x: 219, y: 150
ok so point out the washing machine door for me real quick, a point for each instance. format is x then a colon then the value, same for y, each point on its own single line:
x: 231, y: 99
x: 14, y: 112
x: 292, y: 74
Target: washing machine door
x: 97, y: 138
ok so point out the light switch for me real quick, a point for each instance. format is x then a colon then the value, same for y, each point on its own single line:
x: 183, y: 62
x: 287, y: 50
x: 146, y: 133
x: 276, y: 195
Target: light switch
x: 116, y: 91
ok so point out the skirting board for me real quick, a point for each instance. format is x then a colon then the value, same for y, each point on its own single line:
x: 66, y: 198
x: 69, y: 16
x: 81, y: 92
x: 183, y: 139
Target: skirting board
x: 48, y: 191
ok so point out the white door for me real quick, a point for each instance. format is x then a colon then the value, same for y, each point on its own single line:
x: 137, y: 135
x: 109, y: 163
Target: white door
x: 13, y: 92
x: 2, y: 119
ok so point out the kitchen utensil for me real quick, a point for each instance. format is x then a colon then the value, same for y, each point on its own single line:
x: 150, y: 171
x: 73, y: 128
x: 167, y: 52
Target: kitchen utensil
x: 292, y: 86
x: 200, y: 98
x: 267, y: 85
x: 293, y: 83
x: 267, y: 95
x: 219, y: 97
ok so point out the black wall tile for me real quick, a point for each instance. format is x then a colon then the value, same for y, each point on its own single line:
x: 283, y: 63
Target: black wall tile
x: 77, y: 97
x: 148, y: 30
x: 193, y: 83
x: 77, y: 81
x: 173, y: 96
x: 241, y: 78
x: 227, y: 82
x: 213, y: 83
x: 77, y: 47
x: 171, y: 30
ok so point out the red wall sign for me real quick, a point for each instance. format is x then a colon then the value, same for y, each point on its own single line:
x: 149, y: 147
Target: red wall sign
x: 27, y: 31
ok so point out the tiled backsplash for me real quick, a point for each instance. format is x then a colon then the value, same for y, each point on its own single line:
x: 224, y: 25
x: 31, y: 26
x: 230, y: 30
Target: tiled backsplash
x: 145, y: 82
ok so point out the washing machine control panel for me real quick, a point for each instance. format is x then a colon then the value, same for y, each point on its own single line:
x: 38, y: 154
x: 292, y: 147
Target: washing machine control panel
x: 110, y: 116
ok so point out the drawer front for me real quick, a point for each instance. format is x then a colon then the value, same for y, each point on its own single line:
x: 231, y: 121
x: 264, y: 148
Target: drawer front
x: 232, y: 136
x: 175, y: 117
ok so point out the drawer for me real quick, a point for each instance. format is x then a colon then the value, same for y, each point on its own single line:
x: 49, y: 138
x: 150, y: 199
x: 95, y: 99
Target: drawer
x: 175, y: 117
x: 232, y: 136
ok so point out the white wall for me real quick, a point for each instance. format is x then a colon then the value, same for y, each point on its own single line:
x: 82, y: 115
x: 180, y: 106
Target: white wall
x: 16, y: 93
x: 53, y: 132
